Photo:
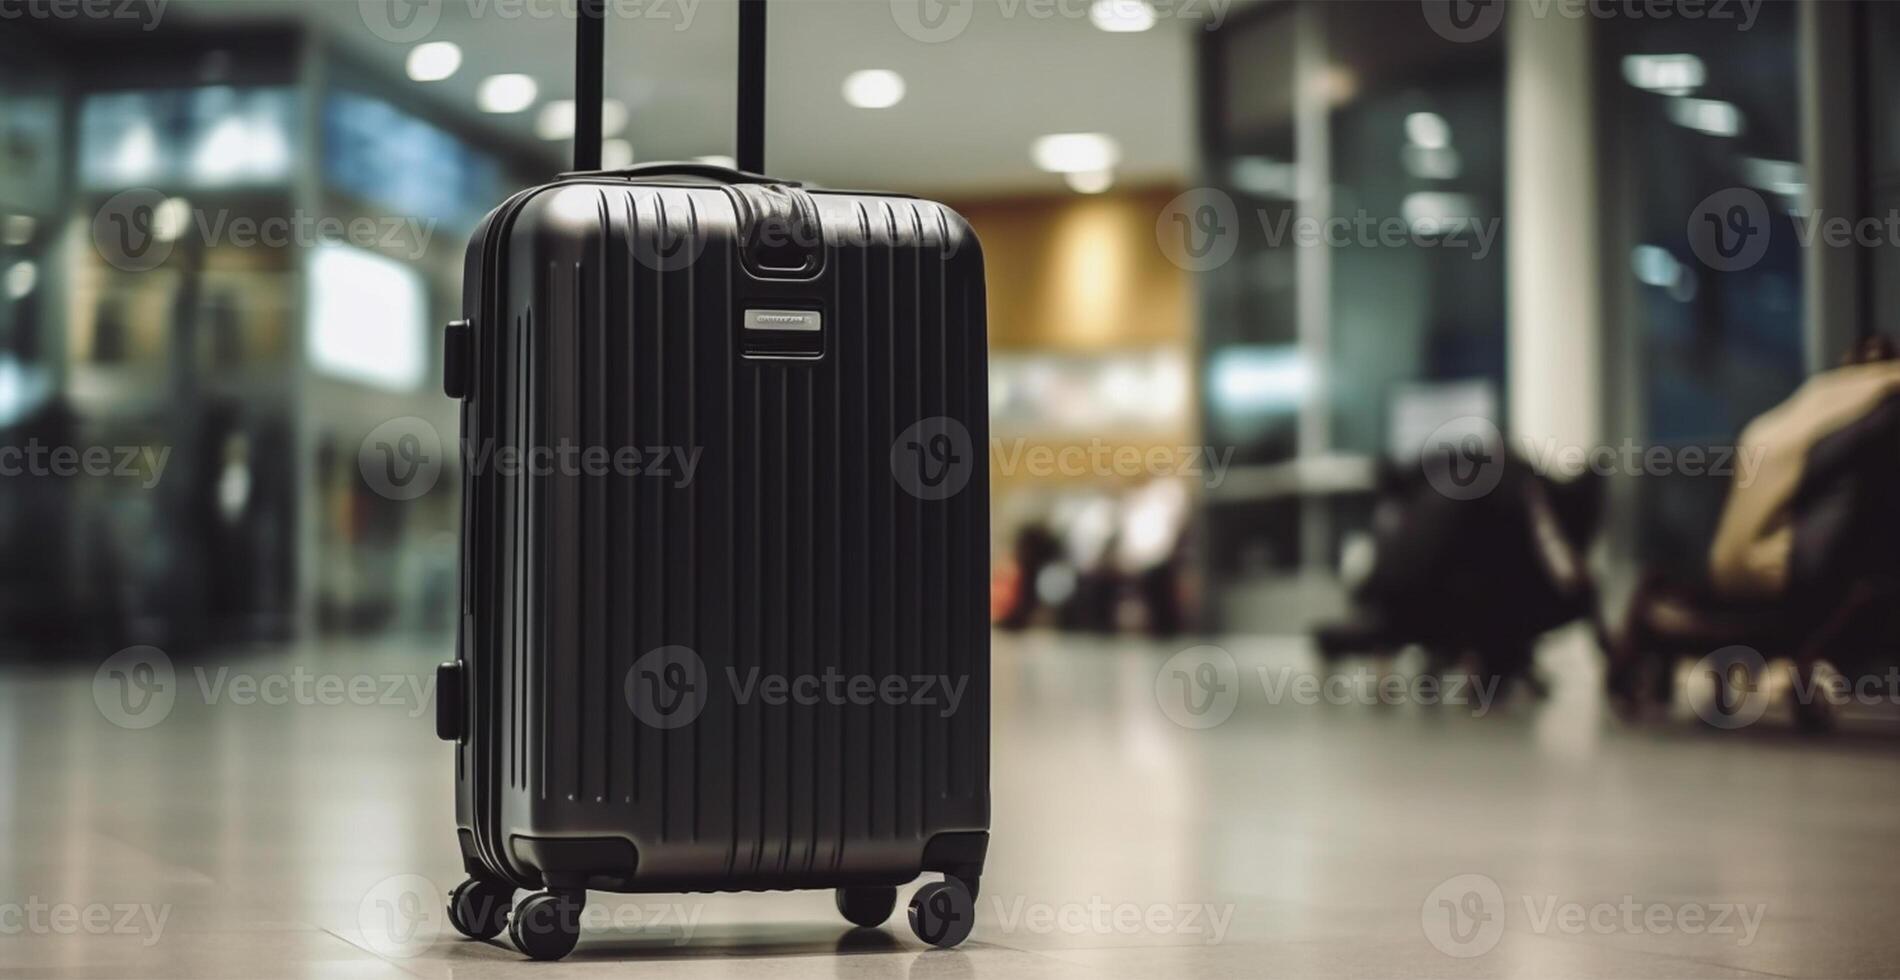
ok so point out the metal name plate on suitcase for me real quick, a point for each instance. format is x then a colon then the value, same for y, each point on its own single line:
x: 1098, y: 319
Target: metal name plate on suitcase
x: 725, y: 549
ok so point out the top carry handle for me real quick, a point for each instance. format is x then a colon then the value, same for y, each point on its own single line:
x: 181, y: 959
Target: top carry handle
x: 589, y: 66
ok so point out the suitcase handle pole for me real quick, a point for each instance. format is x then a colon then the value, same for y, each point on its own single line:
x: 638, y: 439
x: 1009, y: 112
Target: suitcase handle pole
x: 590, y: 59
x: 589, y: 66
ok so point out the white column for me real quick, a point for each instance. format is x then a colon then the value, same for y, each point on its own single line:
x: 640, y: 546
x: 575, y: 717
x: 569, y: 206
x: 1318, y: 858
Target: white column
x: 1829, y: 50
x: 1555, y: 334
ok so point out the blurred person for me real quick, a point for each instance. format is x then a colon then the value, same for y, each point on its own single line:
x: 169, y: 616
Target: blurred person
x: 1803, y: 563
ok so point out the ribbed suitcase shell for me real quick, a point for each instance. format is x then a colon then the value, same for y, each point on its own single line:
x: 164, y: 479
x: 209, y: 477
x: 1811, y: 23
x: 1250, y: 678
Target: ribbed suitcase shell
x: 793, y: 548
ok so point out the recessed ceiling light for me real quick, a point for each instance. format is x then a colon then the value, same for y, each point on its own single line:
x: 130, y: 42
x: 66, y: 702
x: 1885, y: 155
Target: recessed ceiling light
x: 1428, y: 129
x: 1122, y: 16
x: 434, y: 61
x: 506, y: 93
x: 1671, y: 74
x: 1068, y: 153
x: 874, y: 88
x: 1711, y: 116
x: 719, y: 160
x: 1090, y: 181
x: 556, y: 119
x: 615, y: 154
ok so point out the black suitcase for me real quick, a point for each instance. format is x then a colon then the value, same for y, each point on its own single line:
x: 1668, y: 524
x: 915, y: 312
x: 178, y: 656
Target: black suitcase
x: 734, y: 664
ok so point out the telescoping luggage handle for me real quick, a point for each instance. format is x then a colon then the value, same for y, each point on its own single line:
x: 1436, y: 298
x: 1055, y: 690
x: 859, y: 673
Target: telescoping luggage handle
x: 589, y: 67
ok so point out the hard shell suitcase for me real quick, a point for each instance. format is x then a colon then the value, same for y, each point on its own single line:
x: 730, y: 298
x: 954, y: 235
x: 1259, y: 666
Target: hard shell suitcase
x: 725, y: 544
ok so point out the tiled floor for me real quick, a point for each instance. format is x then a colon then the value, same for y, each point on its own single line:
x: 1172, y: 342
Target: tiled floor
x: 236, y: 839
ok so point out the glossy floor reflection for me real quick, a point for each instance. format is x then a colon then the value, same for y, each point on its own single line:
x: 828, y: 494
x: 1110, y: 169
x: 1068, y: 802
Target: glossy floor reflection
x: 276, y: 830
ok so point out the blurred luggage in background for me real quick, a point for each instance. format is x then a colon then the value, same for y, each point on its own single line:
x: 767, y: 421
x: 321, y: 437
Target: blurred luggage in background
x: 1472, y: 580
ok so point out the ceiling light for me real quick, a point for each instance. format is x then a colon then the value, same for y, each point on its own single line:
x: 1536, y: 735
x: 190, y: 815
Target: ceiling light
x: 21, y: 278
x: 615, y: 154
x: 434, y: 61
x: 17, y: 229
x: 1122, y: 16
x: 1068, y: 153
x: 1672, y: 74
x: 1090, y: 181
x: 874, y: 88
x: 1428, y: 129
x: 170, y: 219
x: 1710, y: 116
x: 506, y: 93
x: 719, y: 160
x: 556, y: 119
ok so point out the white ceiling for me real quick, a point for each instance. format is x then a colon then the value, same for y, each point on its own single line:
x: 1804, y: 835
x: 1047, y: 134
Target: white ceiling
x: 1018, y: 70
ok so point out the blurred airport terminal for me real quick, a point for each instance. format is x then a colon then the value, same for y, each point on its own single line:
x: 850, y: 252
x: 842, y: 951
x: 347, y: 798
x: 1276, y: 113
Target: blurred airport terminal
x: 1414, y: 338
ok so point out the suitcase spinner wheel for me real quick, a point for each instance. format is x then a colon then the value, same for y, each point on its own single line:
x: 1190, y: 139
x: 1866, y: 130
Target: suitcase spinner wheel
x: 546, y: 925
x: 942, y: 913
x: 478, y: 909
x: 867, y: 906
